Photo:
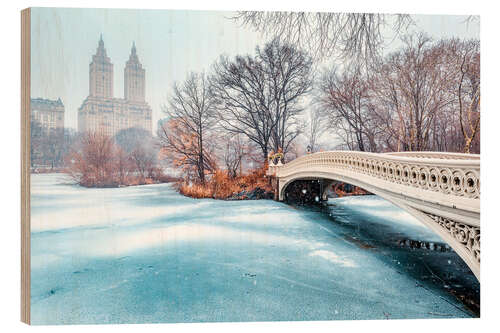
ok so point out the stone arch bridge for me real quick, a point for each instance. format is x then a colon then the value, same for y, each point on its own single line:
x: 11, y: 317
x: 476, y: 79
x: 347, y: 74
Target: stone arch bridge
x: 441, y: 190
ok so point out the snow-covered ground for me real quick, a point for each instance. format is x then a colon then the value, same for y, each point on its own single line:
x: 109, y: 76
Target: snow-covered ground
x: 147, y: 254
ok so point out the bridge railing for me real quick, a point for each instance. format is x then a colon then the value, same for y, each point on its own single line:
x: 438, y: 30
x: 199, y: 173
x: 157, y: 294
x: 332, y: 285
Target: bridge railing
x: 447, y: 173
x: 437, y: 155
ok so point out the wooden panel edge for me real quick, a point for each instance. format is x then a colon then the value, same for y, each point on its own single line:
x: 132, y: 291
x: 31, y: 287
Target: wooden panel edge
x: 25, y: 165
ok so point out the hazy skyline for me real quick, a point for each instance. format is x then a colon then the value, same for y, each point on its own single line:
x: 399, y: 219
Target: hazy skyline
x: 170, y: 44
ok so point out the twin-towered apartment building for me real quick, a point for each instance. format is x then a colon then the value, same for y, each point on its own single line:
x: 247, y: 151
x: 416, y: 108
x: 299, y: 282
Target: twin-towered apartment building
x: 101, y: 111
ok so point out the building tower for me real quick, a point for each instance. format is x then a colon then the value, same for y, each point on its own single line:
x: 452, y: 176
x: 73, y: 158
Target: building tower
x: 101, y: 74
x: 100, y: 111
x: 135, y: 84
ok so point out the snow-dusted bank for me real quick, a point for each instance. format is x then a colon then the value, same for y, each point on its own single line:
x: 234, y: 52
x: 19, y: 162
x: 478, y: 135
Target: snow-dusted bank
x: 147, y: 254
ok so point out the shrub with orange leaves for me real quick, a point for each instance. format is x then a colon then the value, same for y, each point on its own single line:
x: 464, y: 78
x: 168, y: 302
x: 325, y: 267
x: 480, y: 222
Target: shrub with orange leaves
x: 222, y: 186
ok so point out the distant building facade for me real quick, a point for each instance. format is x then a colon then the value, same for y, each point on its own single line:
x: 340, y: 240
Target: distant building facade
x: 47, y: 114
x: 101, y: 111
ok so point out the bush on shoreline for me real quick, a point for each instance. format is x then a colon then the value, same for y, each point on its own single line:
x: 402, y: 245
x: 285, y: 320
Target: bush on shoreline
x: 97, y: 161
x: 253, y: 185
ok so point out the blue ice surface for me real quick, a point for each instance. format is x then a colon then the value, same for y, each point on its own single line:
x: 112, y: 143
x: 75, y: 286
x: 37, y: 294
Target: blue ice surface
x: 146, y: 254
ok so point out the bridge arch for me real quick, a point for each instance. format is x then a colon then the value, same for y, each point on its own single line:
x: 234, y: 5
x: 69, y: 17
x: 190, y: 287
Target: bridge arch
x: 452, y: 211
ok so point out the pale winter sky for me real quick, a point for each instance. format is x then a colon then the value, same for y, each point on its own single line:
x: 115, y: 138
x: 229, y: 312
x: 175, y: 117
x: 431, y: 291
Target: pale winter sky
x: 170, y: 44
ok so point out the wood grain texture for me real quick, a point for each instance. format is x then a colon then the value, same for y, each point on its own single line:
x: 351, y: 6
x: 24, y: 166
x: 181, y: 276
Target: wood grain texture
x: 25, y: 163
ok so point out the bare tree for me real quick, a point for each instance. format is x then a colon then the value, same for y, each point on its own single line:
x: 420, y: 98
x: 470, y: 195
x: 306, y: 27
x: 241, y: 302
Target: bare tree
x: 463, y: 58
x: 123, y: 165
x: 142, y: 151
x: 235, y: 151
x: 348, y: 35
x: 239, y: 92
x: 131, y: 138
x: 317, y: 125
x: 36, y: 144
x: 143, y: 162
x: 92, y: 160
x: 49, y: 146
x: 260, y: 96
x: 410, y: 91
x: 425, y: 96
x: 344, y: 97
x: 191, y: 117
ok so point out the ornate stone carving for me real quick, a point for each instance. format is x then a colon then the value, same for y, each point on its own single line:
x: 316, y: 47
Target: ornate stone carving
x: 276, y: 159
x: 440, y: 155
x: 467, y: 235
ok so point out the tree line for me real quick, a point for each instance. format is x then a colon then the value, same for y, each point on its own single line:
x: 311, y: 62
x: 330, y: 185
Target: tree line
x: 48, y: 147
x: 250, y: 104
x: 423, y: 96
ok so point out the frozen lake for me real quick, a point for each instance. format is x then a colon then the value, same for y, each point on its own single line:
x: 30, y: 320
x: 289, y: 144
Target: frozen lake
x: 147, y: 254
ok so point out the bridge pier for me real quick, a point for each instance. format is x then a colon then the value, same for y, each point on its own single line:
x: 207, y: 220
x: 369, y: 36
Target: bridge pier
x: 326, y: 184
x: 276, y: 187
